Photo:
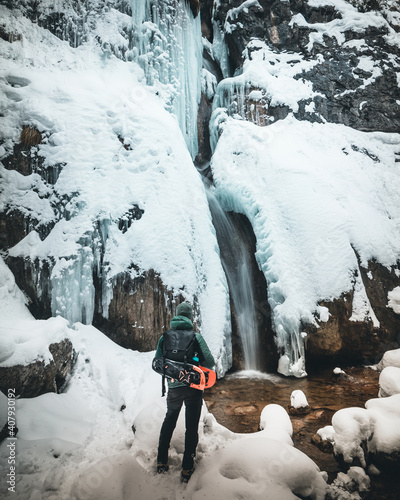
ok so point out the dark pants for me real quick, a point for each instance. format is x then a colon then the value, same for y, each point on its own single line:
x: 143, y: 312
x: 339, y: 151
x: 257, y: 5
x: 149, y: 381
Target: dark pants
x: 193, y: 399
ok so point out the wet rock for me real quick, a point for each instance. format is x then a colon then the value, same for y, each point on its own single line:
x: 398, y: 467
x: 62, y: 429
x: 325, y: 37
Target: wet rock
x: 37, y: 378
x: 140, y: 310
x: 303, y: 410
x: 245, y: 410
x: 386, y: 462
x: 323, y: 444
x: 341, y: 340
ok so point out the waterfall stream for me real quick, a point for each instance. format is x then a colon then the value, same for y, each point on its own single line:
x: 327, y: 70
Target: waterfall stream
x: 237, y: 266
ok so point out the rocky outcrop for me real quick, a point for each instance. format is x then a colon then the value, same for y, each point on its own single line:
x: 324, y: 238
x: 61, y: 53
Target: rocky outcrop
x: 38, y: 378
x: 139, y: 311
x: 341, y: 340
x: 365, y: 97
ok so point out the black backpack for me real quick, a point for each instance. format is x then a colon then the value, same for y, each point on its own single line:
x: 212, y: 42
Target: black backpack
x: 179, y: 345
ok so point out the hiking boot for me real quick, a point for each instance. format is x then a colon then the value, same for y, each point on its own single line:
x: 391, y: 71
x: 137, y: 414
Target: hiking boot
x: 186, y: 474
x: 162, y: 468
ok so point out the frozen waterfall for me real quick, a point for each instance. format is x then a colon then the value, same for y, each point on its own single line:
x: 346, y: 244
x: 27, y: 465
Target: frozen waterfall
x: 168, y: 47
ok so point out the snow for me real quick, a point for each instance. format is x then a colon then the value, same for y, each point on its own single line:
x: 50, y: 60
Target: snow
x: 362, y: 309
x: 338, y: 371
x: 298, y: 399
x: 80, y: 443
x: 273, y: 73
x: 390, y: 358
x: 352, y: 427
x: 153, y: 172
x: 348, y: 486
x: 327, y: 433
x: 394, y: 299
x: 386, y: 413
x: 311, y: 209
x: 275, y: 424
x: 208, y: 84
x: 13, y: 301
x: 373, y: 429
x: 351, y: 19
x: 389, y: 381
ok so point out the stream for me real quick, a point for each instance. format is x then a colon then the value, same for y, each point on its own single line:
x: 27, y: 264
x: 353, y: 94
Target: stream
x: 237, y: 400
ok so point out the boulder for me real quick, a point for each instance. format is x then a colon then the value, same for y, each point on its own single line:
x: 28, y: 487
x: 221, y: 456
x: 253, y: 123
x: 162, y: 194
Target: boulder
x: 38, y: 378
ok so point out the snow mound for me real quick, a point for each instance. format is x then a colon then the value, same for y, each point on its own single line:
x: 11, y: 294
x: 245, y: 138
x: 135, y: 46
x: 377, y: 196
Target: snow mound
x: 298, y: 399
x: 13, y: 301
x: 390, y: 358
x: 353, y: 426
x: 389, y: 381
x: 371, y: 430
x: 259, y: 469
x: 275, y: 423
x: 394, y: 299
x: 26, y: 341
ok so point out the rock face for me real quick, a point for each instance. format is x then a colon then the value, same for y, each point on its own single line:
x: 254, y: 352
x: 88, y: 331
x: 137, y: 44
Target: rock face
x: 344, y: 340
x: 37, y: 378
x: 140, y: 310
x: 363, y: 96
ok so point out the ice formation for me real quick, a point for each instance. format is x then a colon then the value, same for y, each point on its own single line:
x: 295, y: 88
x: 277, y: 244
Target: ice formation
x: 168, y: 46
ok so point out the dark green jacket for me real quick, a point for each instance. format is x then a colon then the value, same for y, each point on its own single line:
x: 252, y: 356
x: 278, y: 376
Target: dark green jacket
x: 205, y: 356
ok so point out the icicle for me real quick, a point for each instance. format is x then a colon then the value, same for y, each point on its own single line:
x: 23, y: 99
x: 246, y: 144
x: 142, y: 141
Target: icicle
x: 168, y: 46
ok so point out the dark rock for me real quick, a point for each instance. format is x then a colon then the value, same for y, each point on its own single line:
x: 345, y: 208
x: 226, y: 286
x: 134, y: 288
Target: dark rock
x: 303, y: 410
x: 386, y: 462
x: 139, y: 312
x: 125, y: 222
x: 37, y: 378
x: 340, y: 340
x: 33, y: 277
x: 203, y: 131
x: 323, y: 444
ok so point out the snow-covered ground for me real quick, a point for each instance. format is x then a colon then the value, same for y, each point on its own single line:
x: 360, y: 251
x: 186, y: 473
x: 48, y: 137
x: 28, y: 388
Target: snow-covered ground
x: 80, y: 444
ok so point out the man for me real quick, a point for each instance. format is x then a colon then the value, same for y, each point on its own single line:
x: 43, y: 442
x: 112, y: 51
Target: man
x: 179, y: 393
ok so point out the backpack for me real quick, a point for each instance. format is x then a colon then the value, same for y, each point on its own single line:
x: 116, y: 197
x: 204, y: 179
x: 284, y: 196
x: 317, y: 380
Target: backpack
x: 179, y: 345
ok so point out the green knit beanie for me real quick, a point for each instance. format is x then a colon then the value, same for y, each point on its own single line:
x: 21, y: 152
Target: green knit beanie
x: 184, y: 309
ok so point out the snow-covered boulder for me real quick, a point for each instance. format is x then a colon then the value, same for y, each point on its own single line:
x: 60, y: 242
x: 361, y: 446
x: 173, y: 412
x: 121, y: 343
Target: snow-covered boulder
x: 361, y: 436
x: 390, y: 358
x: 275, y: 423
x: 298, y: 403
x: 389, y: 381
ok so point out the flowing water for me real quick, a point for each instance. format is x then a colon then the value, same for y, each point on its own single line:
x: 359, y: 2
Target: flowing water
x: 236, y: 263
x: 237, y: 401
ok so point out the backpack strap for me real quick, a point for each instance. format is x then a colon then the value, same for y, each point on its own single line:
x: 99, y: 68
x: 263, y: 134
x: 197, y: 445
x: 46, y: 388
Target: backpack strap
x: 163, y: 375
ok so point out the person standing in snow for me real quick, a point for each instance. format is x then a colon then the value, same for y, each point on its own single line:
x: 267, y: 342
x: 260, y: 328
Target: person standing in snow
x: 179, y: 393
